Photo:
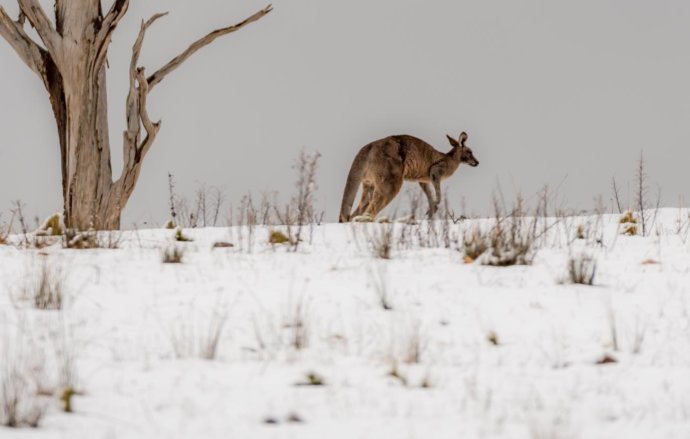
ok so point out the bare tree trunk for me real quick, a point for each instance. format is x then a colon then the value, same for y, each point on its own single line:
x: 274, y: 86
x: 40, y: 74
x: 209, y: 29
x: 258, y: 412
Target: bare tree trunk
x: 71, y: 64
x: 86, y: 171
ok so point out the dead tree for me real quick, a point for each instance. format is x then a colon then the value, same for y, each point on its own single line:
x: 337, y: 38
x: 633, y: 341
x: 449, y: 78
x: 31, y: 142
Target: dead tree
x: 70, y: 60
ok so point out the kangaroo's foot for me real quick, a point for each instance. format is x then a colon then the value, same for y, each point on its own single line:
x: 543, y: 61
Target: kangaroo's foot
x: 433, y: 208
x: 366, y: 218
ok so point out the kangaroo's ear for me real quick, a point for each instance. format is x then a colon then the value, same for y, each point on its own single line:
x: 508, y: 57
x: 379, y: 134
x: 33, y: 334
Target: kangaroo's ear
x: 463, y: 138
x: 454, y: 143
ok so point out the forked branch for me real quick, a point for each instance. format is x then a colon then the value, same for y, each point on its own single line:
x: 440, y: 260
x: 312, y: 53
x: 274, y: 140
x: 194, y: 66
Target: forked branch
x: 105, y: 35
x: 161, y: 73
x: 28, y: 50
x: 136, y: 111
x: 33, y: 11
x: 135, y: 150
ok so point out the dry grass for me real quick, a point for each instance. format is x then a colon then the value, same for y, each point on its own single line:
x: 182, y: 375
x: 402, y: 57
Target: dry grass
x: 381, y: 240
x: 582, y: 269
x: 474, y: 245
x: 21, y: 402
x: 44, y: 285
x: 296, y: 322
x: 196, y: 332
x: 173, y: 255
x: 379, y: 281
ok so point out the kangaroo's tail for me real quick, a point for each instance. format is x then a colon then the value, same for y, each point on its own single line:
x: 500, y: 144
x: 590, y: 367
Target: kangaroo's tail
x: 354, y: 178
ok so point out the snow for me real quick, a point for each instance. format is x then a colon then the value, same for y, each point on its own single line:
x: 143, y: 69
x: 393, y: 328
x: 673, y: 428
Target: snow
x: 135, y: 329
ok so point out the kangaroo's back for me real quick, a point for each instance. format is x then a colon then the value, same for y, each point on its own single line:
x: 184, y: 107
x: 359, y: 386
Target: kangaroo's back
x: 418, y: 157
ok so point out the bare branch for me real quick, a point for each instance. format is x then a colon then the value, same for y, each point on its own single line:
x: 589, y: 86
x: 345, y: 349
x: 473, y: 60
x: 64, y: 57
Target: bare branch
x: 615, y: 194
x: 110, y: 22
x: 137, y: 115
x: 114, y: 15
x: 150, y: 127
x: 135, y: 99
x: 29, y: 52
x: 33, y: 11
x: 158, y: 76
x: 136, y: 50
x: 641, y: 196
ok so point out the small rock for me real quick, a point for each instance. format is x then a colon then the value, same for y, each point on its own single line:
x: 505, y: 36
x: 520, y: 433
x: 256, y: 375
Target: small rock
x: 295, y: 418
x: 271, y: 420
x: 607, y: 359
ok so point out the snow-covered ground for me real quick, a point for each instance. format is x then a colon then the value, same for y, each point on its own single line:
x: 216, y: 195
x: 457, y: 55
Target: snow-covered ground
x: 466, y: 350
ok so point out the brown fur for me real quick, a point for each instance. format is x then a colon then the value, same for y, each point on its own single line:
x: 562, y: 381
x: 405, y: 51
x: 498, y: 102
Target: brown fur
x: 382, y: 166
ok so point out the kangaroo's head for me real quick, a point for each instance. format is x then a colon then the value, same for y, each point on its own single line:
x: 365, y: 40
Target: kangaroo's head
x: 462, y: 152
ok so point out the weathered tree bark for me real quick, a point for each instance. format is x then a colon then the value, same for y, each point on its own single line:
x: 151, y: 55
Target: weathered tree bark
x: 71, y: 61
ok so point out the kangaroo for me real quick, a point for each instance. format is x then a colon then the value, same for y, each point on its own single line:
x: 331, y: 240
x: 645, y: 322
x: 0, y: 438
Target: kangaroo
x: 382, y: 166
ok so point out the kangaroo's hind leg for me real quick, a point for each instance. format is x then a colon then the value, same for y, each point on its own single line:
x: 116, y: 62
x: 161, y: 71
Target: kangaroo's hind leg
x: 384, y: 193
x: 367, y: 191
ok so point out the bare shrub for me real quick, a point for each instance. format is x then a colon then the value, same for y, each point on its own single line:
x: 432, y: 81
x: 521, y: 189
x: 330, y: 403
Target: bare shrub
x: 197, y: 334
x: 284, y: 331
x: 67, y: 372
x: 582, y: 269
x: 5, y: 229
x: 380, y: 238
x: 173, y: 255
x: 19, y: 214
x: 475, y: 243
x: 110, y: 239
x: 682, y: 222
x: 638, y: 336
x: 296, y: 323
x: 508, y: 246
x: 641, y: 193
x: 44, y: 285
x: 511, y: 241
x: 613, y: 326
x: 645, y: 208
x: 303, y: 201
x: 208, y: 202
x: 21, y: 405
x: 247, y: 220
x: 172, y: 201
x: 28, y: 239
x: 379, y: 281
x: 414, y: 344
x: 616, y: 196
x: 438, y: 233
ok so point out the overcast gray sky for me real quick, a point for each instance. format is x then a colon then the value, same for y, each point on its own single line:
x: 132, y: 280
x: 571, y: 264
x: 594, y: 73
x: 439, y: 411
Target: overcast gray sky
x: 547, y: 90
